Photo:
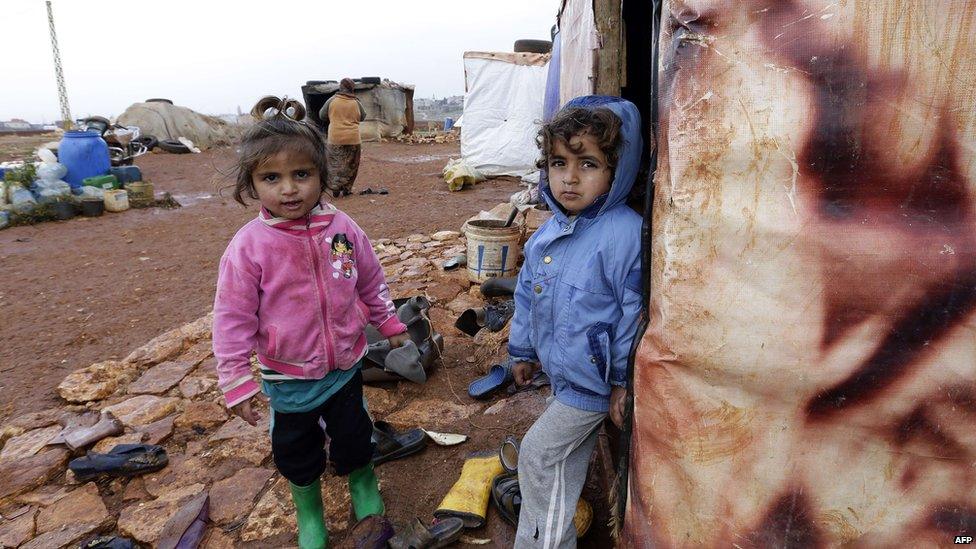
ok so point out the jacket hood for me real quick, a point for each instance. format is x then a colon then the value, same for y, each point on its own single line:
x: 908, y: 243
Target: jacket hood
x: 628, y: 155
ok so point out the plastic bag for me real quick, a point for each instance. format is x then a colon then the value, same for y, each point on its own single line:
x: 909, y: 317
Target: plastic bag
x: 51, y: 171
x: 87, y: 191
x: 22, y: 199
x: 457, y: 173
x: 49, y: 191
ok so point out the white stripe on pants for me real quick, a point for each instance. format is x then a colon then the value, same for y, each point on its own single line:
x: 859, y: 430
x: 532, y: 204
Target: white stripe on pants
x: 553, y: 460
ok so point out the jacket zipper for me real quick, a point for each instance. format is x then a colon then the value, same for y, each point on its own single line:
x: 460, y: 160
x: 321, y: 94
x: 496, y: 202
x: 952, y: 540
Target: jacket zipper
x: 323, y: 304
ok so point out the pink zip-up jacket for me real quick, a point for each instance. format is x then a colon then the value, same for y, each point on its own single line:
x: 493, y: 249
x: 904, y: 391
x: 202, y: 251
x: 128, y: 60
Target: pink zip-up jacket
x: 298, y: 293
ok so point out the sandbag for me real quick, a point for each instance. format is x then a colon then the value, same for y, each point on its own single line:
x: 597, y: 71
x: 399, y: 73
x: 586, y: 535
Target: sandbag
x: 808, y: 378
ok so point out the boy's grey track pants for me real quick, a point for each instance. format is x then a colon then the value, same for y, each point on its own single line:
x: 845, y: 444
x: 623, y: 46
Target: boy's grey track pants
x: 553, y: 459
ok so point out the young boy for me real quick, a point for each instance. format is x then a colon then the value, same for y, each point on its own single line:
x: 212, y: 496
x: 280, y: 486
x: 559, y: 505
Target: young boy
x: 577, y: 304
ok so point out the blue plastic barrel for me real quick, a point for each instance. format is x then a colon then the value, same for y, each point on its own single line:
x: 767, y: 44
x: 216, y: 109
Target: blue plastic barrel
x: 127, y: 174
x: 85, y: 154
x: 448, y: 124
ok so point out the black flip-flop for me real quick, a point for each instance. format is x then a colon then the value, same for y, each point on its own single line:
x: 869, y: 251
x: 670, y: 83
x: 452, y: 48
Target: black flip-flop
x: 391, y: 444
x: 125, y: 460
x: 507, y: 497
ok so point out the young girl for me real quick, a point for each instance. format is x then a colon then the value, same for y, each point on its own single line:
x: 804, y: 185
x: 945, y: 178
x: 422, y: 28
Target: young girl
x: 577, y: 304
x: 296, y: 286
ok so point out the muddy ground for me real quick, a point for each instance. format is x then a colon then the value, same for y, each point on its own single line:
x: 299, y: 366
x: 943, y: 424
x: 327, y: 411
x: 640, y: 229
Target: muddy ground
x: 87, y: 290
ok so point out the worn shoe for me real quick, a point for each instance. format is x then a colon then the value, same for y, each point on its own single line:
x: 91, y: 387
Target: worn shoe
x: 364, y: 492
x: 312, y: 533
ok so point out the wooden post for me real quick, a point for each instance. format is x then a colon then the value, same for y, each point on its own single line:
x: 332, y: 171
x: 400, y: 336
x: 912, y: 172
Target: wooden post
x: 609, y: 58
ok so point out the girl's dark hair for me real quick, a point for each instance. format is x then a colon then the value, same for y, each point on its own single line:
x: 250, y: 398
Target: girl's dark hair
x: 269, y: 137
x: 601, y: 123
x: 347, y: 85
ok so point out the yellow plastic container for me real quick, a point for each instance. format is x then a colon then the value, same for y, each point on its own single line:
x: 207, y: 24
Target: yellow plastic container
x: 140, y: 193
x: 493, y: 249
x: 116, y: 200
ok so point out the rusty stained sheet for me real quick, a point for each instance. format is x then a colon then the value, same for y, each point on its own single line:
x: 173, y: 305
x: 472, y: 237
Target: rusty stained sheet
x: 809, y: 375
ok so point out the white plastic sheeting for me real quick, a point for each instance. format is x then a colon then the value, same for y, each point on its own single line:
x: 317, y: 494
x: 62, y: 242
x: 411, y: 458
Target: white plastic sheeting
x: 502, y: 111
x: 579, y: 40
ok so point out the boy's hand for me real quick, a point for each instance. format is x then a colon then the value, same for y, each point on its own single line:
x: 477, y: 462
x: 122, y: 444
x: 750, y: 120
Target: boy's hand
x: 245, y: 412
x: 618, y: 405
x: 398, y: 340
x: 524, y: 371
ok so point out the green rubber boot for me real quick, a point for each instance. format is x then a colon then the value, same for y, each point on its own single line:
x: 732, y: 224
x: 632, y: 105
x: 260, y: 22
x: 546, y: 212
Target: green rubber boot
x: 312, y: 533
x: 365, y: 492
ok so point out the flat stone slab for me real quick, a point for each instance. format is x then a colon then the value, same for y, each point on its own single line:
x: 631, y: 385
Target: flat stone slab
x: 21, y: 475
x: 143, y: 409
x: 233, y: 498
x: 203, y: 414
x: 16, y: 531
x: 82, y: 506
x: 62, y: 537
x: 145, y: 521
x: 431, y: 414
x: 160, y: 378
x: 192, y: 387
x: 273, y: 515
x: 29, y: 443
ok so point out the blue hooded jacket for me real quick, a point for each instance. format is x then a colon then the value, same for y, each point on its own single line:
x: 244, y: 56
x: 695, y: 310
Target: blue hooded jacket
x: 578, y: 297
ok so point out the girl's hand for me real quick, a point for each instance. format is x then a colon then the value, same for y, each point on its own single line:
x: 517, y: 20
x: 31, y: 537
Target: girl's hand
x: 245, y: 412
x: 524, y: 371
x: 618, y: 405
x: 398, y: 340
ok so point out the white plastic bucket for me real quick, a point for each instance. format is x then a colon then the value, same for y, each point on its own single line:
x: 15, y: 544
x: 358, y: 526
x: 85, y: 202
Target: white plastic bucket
x: 116, y: 200
x: 493, y: 249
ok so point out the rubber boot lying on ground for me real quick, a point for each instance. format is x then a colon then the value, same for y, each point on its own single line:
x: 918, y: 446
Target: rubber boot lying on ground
x: 312, y: 533
x: 364, y: 492
x: 468, y: 498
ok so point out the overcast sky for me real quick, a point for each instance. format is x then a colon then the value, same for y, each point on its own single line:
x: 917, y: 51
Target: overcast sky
x: 216, y: 55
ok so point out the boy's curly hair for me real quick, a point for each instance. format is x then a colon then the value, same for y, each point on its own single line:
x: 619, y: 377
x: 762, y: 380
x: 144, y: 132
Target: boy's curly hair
x: 269, y: 137
x: 601, y: 123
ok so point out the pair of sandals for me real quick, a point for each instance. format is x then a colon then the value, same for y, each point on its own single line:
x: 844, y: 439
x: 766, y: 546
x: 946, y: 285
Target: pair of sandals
x: 411, y: 361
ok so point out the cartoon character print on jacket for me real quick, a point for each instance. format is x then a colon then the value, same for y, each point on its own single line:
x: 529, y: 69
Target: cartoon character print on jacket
x: 341, y: 256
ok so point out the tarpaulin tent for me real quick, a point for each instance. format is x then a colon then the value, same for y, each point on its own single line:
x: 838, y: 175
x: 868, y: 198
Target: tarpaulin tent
x: 503, y: 100
x: 808, y: 377
x: 388, y: 106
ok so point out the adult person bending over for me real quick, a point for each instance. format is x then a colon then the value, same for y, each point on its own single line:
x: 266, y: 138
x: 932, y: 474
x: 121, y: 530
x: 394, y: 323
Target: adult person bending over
x: 343, y: 112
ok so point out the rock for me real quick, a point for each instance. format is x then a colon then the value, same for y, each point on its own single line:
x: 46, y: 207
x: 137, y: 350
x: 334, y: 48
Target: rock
x: 208, y: 369
x: 82, y: 506
x: 273, y: 515
x: 161, y: 378
x: 170, y: 344
x: 158, y: 431
x: 19, y: 529
x: 535, y: 218
x: 414, y: 272
x: 444, y: 292
x: 233, y: 498
x: 433, y: 244
x: 418, y: 238
x: 464, y: 302
x: 198, y: 352
x: 378, y: 401
x: 415, y: 246
x: 431, y: 414
x: 29, y: 443
x: 135, y: 490
x: 524, y: 404
x: 254, y: 450
x: 62, y: 537
x: 95, y: 382
x: 193, y: 387
x: 145, y: 521
x: 237, y: 427
x: 44, y: 496
x: 21, y: 475
x: 406, y: 255
x: 107, y: 444
x: 36, y: 420
x: 202, y: 414
x: 182, y: 471
x: 7, y: 432
x: 441, y: 236
x: 143, y: 409
x: 216, y: 539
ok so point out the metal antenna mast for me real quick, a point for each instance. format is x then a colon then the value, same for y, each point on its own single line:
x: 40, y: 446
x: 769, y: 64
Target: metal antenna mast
x: 62, y: 92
